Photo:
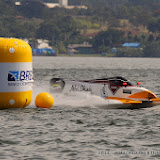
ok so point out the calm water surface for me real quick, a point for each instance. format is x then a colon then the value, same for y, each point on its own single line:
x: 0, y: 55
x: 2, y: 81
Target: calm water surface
x: 76, y: 128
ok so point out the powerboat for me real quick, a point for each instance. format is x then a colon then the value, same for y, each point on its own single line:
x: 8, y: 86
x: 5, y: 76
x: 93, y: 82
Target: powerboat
x: 118, y: 91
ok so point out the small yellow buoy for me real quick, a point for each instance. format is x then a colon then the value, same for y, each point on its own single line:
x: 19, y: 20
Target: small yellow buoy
x: 44, y: 100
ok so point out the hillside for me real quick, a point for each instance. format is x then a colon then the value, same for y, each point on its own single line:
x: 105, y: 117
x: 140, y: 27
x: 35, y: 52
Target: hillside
x: 139, y: 22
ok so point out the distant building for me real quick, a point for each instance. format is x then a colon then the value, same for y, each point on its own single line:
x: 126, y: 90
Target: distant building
x: 17, y: 3
x: 52, y: 5
x: 40, y: 43
x: 63, y: 3
x: 84, y: 48
x: 132, y: 45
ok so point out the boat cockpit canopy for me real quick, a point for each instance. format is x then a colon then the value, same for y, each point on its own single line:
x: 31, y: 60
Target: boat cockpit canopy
x: 117, y: 80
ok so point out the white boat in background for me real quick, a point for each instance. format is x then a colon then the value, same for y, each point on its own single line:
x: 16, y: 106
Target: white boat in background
x: 118, y: 90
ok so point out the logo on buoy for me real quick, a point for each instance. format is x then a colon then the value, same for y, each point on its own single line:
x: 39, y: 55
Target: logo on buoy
x: 19, y: 75
x: 19, y: 78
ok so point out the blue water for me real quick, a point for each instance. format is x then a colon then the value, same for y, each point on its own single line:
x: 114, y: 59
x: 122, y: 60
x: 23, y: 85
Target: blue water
x: 77, y: 128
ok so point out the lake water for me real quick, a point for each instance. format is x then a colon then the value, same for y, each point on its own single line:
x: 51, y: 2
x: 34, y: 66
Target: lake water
x: 76, y: 128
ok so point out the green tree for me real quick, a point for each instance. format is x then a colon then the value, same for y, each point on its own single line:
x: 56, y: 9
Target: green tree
x: 33, y: 43
x: 60, y: 29
x: 152, y: 49
x: 154, y: 25
x: 7, y: 8
x: 60, y: 48
x: 129, y: 52
x: 31, y: 8
x: 109, y: 38
x: 139, y: 15
x: 150, y: 38
x: 48, y: 30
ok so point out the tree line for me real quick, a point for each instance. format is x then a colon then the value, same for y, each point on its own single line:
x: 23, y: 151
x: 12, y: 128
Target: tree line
x: 104, y: 24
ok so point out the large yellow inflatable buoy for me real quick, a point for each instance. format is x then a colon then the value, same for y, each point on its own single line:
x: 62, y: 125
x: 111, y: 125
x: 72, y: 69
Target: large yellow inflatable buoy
x: 16, y: 77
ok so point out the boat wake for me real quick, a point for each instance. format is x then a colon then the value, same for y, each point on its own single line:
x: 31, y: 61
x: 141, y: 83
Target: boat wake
x: 79, y: 100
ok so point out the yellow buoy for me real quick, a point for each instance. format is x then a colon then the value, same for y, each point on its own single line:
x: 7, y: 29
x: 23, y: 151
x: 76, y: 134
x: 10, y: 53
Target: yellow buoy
x: 44, y: 100
x: 15, y: 73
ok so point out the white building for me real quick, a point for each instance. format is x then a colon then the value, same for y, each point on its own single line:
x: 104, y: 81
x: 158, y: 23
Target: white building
x: 63, y: 3
x: 52, y: 5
